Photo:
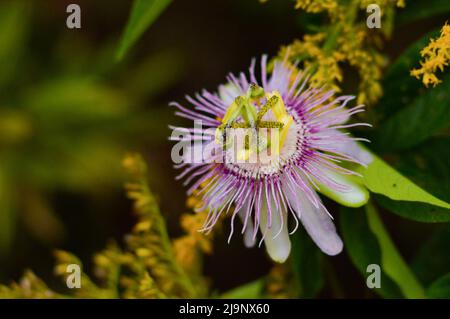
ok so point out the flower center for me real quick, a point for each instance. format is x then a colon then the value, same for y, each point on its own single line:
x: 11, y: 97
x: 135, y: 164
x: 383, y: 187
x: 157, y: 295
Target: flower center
x: 254, y: 123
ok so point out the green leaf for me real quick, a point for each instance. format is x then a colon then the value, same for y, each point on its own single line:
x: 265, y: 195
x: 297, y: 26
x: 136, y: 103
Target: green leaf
x: 381, y: 178
x: 433, y: 259
x: 416, y: 10
x: 307, y: 265
x: 392, y: 262
x: 420, y: 212
x: 440, y: 289
x: 424, y: 117
x: 252, y: 290
x: 364, y: 249
x: 143, y: 14
x: 428, y: 166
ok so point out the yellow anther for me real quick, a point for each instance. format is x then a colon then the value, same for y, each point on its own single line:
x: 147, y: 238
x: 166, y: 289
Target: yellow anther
x: 281, y: 115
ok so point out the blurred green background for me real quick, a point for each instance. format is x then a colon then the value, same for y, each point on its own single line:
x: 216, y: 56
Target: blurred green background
x: 69, y: 112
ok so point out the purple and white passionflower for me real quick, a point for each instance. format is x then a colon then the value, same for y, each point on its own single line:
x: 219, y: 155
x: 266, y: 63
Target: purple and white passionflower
x: 292, y: 146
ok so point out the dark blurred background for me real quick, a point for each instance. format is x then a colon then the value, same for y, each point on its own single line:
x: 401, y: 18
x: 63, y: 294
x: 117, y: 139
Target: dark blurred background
x: 69, y: 112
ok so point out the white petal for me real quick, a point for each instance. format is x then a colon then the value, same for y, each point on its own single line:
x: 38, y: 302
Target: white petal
x: 356, y: 196
x: 317, y: 223
x: 278, y: 243
x: 249, y: 241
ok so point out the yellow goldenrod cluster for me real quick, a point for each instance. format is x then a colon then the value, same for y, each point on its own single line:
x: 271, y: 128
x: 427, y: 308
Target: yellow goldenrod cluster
x: 436, y: 56
x: 316, y: 6
x: 189, y: 247
x: 383, y: 3
x: 149, y: 240
x: 323, y: 67
x: 345, y: 41
x: 145, y: 268
x: 368, y: 63
x: 88, y: 289
x: 29, y: 286
x: 278, y: 283
x: 145, y: 288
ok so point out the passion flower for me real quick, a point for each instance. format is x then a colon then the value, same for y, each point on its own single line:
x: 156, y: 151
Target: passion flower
x: 271, y: 143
